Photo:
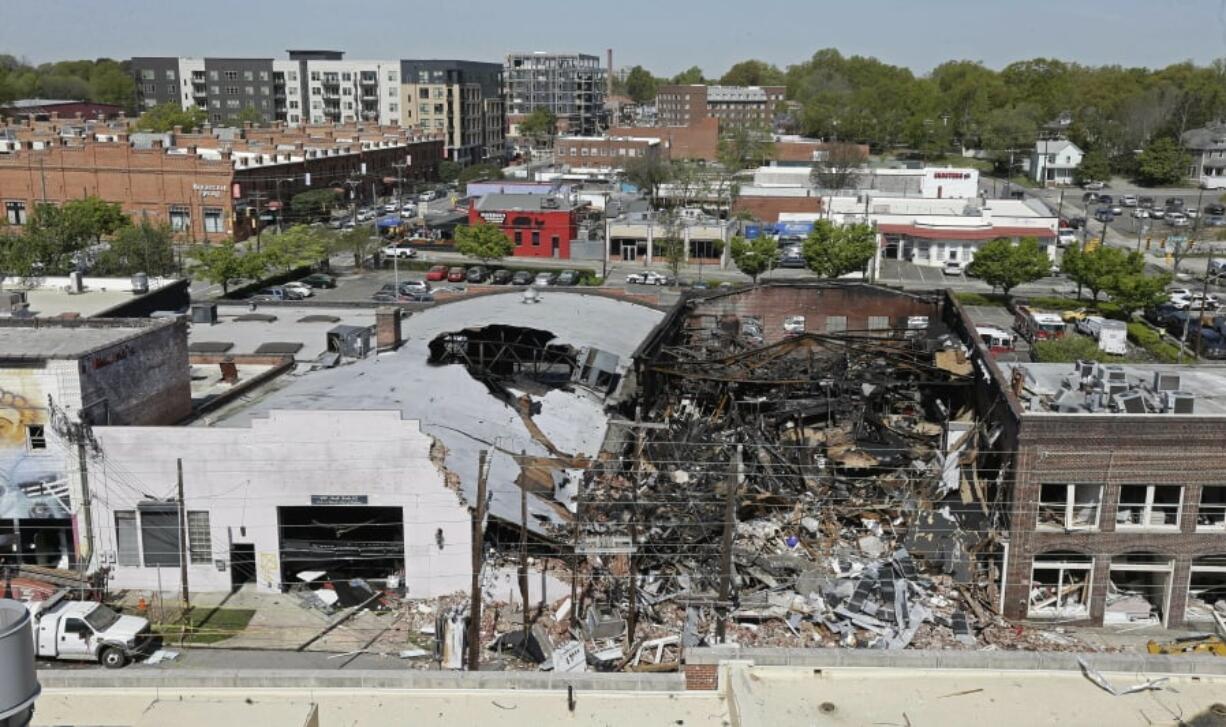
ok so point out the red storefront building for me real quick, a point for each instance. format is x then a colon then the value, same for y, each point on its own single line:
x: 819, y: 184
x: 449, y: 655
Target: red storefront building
x: 539, y: 225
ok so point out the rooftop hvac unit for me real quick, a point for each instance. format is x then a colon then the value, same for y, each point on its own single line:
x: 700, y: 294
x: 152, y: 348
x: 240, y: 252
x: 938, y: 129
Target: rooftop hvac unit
x: 1113, y: 373
x: 140, y: 283
x: 549, y: 203
x: 1181, y: 402
x: 76, y: 283
x: 1065, y: 401
x: 1166, y: 381
x: 1130, y: 402
x: 204, y: 313
x: 1116, y: 388
x: 1085, y: 368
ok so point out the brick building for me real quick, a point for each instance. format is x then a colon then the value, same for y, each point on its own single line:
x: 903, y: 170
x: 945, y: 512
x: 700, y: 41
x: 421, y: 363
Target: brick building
x: 539, y: 225
x: 1118, y: 507
x: 605, y: 152
x: 698, y: 140
x: 43, y: 109
x: 733, y: 106
x: 206, y: 185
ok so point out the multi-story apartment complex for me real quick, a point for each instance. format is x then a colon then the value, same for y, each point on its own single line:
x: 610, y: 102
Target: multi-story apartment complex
x: 571, y: 85
x: 312, y: 86
x: 734, y: 106
x: 462, y: 99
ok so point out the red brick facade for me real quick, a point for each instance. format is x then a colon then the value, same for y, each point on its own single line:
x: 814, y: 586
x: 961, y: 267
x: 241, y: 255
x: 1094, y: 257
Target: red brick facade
x: 768, y: 209
x: 536, y: 233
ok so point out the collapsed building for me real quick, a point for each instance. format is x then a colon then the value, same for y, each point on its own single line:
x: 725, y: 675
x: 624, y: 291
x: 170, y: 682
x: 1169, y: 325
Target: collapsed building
x: 804, y: 465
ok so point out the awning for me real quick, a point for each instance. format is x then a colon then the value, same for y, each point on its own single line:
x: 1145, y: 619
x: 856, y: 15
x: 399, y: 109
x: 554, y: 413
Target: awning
x: 955, y: 233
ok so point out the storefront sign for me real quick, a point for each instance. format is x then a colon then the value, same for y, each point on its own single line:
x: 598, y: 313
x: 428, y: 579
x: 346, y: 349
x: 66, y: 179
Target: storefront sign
x: 951, y: 175
x: 209, y: 190
x: 340, y: 500
x: 494, y: 218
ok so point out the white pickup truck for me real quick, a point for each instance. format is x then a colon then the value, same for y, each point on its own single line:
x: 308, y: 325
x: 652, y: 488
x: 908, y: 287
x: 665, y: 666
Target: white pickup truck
x: 87, y: 631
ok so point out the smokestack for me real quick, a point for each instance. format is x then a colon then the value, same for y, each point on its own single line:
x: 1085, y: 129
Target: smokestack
x: 609, y: 80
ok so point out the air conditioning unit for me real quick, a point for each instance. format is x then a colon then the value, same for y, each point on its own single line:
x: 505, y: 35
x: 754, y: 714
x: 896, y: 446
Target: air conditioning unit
x: 1130, y: 402
x: 1181, y: 402
x: 1085, y: 368
x: 1113, y: 373
x: 1116, y: 388
x: 1166, y: 381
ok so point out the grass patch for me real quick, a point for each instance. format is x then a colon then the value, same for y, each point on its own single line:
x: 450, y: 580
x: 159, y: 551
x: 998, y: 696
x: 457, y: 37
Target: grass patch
x: 1151, y: 340
x: 206, y: 625
x: 1072, y: 348
x: 984, y: 299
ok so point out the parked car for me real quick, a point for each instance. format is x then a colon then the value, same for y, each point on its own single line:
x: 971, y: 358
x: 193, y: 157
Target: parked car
x: 1173, y: 202
x: 1103, y: 214
x: 1156, y: 213
x: 1159, y: 314
x: 1067, y: 236
x: 319, y: 280
x: 1145, y: 201
x: 792, y: 258
x: 273, y: 293
x: 389, y: 207
x: 649, y: 277
x: 1177, y: 219
x: 1140, y: 212
x: 1105, y: 199
x: 952, y: 267
x: 456, y: 275
x: 1093, y: 185
x: 1214, y: 221
x: 1128, y: 200
x: 1191, y: 212
x: 1077, y: 223
x: 1215, y: 210
x: 299, y: 288
x: 385, y: 296
x: 568, y: 277
x: 477, y: 274
x: 436, y: 272
x: 399, y: 250
x: 1116, y: 209
x: 427, y: 196
x: 521, y: 277
x: 543, y: 279
x: 414, y: 286
x: 417, y: 297
x: 501, y: 276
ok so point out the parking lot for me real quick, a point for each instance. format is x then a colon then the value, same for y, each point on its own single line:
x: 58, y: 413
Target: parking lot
x: 910, y: 275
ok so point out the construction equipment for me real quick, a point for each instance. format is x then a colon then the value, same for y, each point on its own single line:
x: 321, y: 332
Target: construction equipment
x: 1209, y: 644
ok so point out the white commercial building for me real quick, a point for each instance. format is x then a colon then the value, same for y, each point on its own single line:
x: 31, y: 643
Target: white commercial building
x: 927, y: 182
x: 932, y: 232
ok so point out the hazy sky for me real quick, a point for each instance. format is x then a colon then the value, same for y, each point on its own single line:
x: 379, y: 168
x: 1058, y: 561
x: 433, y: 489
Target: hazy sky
x: 663, y: 35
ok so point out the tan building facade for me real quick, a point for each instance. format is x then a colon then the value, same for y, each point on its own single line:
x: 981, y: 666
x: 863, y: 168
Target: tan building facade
x: 462, y: 100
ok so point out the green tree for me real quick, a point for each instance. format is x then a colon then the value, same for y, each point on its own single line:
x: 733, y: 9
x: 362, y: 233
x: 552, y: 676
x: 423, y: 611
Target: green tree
x: 540, y: 126
x: 484, y: 242
x: 53, y: 239
x: 94, y: 217
x: 839, y: 167
x: 754, y: 257
x: 832, y: 250
x: 314, y: 204
x: 146, y: 247
x: 296, y: 247
x: 358, y: 241
x: 225, y: 264
x: 249, y: 114
x: 743, y: 148
x: 1003, y: 265
x: 165, y: 117
x: 1098, y: 268
x: 691, y: 75
x: 448, y: 171
x: 1162, y: 162
x: 640, y: 85
x: 1094, y: 167
x: 1134, y: 291
x: 648, y: 173
x: 479, y: 172
x: 753, y: 73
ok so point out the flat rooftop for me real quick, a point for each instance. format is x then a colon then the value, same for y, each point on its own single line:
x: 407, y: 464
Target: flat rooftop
x: 304, y: 329
x: 1057, y: 388
x: 40, y: 339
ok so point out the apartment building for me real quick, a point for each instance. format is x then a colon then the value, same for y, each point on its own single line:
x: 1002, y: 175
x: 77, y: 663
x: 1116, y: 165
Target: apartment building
x: 460, y: 99
x: 311, y: 86
x: 1207, y: 146
x: 571, y: 85
x: 733, y: 106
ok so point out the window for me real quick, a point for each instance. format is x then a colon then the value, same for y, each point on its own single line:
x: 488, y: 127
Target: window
x: 519, y: 238
x: 212, y: 75
x: 1149, y: 506
x: 172, y: 89
x: 878, y: 323
x: 438, y: 93
x: 215, y: 90
x: 36, y: 436
x: 77, y: 627
x: 293, y: 103
x: 266, y: 90
x: 292, y: 76
x: 1060, y: 585
x: 263, y: 75
x: 391, y: 93
x: 127, y: 548
x: 438, y: 108
x: 180, y: 218
x: 1212, y: 512
x: 393, y: 107
x: 159, y: 533
x: 231, y: 75
x: 15, y: 212
x: 212, y: 219
x: 536, y: 238
x: 424, y: 109
x: 836, y: 324
x: 1207, y: 588
x: 349, y: 106
x: 293, y: 90
x: 346, y: 76
x: 147, y: 74
x: 248, y: 75
x: 150, y: 88
x: 423, y: 93
x: 232, y: 90
x: 250, y: 90
x: 391, y: 76
x: 1069, y: 507
x: 316, y: 91
x: 199, y: 540
x: 233, y: 103
x: 314, y: 75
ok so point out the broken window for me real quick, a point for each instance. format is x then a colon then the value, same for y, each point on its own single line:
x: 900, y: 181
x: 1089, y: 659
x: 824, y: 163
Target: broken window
x: 36, y: 436
x: 159, y: 532
x: 836, y: 324
x: 1212, y: 512
x: 1149, y: 506
x: 1069, y: 507
x: 1060, y: 585
x: 1137, y: 589
x: 1207, y: 588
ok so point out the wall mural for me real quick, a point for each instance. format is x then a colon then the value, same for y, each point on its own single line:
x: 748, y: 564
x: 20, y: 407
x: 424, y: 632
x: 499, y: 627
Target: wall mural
x: 33, y: 483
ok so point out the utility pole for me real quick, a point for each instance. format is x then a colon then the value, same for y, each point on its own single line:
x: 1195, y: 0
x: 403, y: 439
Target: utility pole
x: 281, y: 203
x: 523, y: 547
x: 258, y: 197
x: 185, y: 604
x: 632, y: 622
x: 474, y: 608
x: 725, y: 565
x: 86, y: 504
x: 399, y: 167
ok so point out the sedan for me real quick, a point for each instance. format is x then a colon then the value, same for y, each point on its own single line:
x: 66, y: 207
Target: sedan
x: 1103, y: 214
x: 389, y: 207
x: 1177, y: 219
x: 427, y: 196
x: 403, y: 252
x: 649, y: 277
x: 1145, y: 201
x: 1156, y: 213
x: 437, y: 272
x: 1093, y: 185
x: 568, y: 277
x: 501, y: 276
x: 299, y: 288
x: 319, y: 280
x: 477, y: 274
x: 456, y: 275
x: 1128, y: 200
x: 414, y: 286
x: 521, y: 277
x: 1140, y: 212
x: 544, y: 279
x: 952, y: 267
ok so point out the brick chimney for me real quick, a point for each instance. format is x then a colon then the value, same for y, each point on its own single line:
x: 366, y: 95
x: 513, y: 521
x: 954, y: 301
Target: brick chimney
x: 387, y: 328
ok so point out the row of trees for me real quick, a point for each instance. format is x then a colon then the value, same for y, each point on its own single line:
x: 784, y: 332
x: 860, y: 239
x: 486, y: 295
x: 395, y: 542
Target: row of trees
x: 228, y: 262
x: 830, y: 250
x: 102, y: 80
x: 56, y: 240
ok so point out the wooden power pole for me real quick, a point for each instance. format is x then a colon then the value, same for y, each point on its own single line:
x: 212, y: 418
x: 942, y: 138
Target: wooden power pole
x: 184, y: 600
x: 725, y: 565
x: 474, y: 616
